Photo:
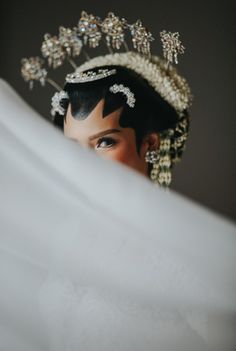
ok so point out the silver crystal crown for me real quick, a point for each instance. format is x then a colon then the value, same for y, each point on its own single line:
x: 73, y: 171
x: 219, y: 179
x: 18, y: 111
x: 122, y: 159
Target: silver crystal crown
x: 83, y: 77
x: 89, y: 32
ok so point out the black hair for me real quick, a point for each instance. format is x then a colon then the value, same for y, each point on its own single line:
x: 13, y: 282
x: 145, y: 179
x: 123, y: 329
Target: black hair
x: 151, y: 112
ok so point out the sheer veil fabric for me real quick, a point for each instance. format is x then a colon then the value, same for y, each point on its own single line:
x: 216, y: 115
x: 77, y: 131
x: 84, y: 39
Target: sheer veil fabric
x: 94, y: 256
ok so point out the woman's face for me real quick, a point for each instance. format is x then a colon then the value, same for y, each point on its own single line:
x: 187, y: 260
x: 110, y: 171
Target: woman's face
x: 107, y: 137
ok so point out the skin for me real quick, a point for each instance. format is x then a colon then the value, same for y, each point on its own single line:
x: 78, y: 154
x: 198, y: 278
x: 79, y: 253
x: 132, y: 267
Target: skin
x: 109, y: 139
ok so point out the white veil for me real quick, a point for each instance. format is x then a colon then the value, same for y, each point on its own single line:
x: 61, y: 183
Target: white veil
x: 94, y: 256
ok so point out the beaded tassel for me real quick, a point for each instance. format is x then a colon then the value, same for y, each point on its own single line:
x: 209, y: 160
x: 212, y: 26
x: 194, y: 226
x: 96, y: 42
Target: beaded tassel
x: 160, y: 172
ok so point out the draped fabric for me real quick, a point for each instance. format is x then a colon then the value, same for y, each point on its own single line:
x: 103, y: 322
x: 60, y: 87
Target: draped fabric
x: 93, y: 256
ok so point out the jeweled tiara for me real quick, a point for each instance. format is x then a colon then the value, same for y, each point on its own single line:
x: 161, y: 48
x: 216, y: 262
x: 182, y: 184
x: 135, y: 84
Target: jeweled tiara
x: 84, y: 77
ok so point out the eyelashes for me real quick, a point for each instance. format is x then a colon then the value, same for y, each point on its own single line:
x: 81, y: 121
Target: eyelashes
x: 105, y: 143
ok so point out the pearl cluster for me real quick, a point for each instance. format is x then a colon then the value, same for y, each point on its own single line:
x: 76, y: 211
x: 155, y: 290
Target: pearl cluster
x: 114, y: 27
x: 56, y: 102
x: 91, y: 27
x: 57, y: 48
x: 88, y: 28
x: 152, y: 156
x: 141, y: 38
x: 171, y: 46
x: 160, y: 172
x: 116, y: 88
x: 32, y: 70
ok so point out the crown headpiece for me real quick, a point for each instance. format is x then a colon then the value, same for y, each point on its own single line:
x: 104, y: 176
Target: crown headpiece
x: 90, y: 31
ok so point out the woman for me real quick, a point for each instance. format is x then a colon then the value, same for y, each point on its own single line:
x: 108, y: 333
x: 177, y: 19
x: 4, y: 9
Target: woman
x: 93, y: 257
x: 122, y: 275
x: 130, y: 107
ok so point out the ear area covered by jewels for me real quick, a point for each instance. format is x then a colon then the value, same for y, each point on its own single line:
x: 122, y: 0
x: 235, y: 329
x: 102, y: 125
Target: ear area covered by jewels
x: 161, y: 161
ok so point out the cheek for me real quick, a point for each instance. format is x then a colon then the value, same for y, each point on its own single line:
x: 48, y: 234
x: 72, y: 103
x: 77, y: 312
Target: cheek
x: 125, y: 153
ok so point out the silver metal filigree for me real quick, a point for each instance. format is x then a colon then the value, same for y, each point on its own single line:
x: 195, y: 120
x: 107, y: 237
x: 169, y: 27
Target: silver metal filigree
x: 120, y: 88
x: 32, y: 70
x: 88, y: 28
x: 69, y: 41
x: 53, y: 51
x: 56, y: 102
x: 141, y: 38
x: 114, y: 27
x: 161, y: 172
x: 172, y: 46
x: 83, y: 77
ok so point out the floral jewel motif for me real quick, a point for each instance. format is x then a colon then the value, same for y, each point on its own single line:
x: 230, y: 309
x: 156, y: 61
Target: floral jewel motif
x: 113, y: 27
x: 152, y: 156
x: 88, y: 27
x: 172, y: 46
x: 141, y: 38
x: 56, y: 102
x: 116, y: 88
x: 32, y: 70
x: 53, y: 51
x: 69, y: 41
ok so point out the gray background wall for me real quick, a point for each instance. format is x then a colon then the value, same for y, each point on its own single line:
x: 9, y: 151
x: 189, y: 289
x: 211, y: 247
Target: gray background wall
x: 207, y: 172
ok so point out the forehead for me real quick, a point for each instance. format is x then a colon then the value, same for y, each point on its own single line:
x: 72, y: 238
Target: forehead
x: 92, y: 124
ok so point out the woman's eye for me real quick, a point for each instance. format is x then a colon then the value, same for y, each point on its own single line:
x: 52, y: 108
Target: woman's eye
x: 105, y: 143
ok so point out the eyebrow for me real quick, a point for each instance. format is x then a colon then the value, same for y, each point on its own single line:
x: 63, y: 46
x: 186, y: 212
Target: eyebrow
x: 104, y: 132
